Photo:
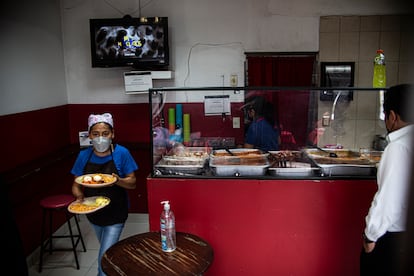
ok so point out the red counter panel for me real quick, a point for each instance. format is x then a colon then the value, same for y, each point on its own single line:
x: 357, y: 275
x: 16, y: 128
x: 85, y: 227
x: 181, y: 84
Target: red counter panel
x: 270, y: 227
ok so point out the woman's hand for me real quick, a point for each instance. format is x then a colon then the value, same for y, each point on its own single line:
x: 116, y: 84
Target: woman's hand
x: 117, y: 178
x: 77, y: 191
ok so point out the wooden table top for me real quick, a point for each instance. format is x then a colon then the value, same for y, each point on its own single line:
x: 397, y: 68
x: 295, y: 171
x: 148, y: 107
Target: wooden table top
x: 142, y: 255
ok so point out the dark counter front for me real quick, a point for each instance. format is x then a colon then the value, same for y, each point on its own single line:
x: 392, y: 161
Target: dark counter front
x: 270, y: 226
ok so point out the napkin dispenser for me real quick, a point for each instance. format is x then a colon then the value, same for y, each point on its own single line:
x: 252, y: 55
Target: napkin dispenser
x: 84, y: 140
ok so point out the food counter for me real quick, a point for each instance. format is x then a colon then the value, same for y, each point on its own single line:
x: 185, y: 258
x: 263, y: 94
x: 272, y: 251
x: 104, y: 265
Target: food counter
x: 243, y: 162
x: 188, y: 136
x: 295, y: 211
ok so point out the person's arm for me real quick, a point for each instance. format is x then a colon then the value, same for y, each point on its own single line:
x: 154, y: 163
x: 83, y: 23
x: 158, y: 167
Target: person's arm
x: 248, y: 146
x: 77, y: 169
x: 77, y: 191
x: 128, y: 182
x: 367, y: 244
x: 250, y: 137
x: 393, y: 179
x: 129, y: 168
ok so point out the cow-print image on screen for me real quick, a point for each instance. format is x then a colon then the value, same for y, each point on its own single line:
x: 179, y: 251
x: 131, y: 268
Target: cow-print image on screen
x: 141, y: 42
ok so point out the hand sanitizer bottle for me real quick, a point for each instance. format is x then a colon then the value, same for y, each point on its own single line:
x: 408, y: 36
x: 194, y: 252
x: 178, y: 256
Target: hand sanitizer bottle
x: 167, y: 223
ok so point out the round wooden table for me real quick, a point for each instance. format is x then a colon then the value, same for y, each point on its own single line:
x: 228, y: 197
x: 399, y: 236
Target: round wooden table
x: 142, y: 255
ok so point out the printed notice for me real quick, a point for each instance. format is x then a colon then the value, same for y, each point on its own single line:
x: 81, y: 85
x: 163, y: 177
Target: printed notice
x: 217, y: 105
x: 137, y: 81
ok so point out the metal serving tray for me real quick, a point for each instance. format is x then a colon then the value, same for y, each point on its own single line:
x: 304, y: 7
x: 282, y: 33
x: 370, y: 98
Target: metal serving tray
x: 243, y: 162
x: 239, y: 170
x: 239, y: 156
x: 184, y: 160
x: 182, y: 153
x: 294, y: 169
x: 166, y: 167
x: 291, y: 163
x: 348, y: 163
x: 347, y: 170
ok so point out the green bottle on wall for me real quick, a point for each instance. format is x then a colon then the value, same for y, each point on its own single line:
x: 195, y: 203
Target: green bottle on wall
x: 379, y: 79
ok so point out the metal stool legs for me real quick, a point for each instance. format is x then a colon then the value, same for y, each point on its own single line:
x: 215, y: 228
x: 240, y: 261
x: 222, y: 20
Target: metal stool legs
x: 48, y: 244
x: 72, y: 237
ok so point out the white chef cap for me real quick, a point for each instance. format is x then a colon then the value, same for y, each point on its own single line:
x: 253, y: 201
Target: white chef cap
x: 100, y: 118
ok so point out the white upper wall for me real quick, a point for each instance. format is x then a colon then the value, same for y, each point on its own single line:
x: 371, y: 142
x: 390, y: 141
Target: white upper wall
x: 32, y: 73
x: 208, y: 40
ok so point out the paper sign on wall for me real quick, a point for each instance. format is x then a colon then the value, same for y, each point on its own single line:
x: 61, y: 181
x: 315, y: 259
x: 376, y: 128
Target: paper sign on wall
x: 137, y: 82
x: 217, y: 105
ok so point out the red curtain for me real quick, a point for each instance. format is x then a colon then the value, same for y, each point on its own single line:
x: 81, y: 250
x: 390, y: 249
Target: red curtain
x: 291, y: 107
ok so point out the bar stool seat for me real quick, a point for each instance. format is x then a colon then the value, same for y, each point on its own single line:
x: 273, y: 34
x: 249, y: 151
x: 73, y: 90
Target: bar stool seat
x: 50, y: 205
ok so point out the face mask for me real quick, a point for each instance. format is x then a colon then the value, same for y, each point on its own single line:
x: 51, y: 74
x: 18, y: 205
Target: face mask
x: 391, y: 129
x: 250, y: 114
x: 101, y: 144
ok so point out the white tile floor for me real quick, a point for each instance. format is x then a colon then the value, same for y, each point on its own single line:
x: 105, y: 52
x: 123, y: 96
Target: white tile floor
x: 62, y: 263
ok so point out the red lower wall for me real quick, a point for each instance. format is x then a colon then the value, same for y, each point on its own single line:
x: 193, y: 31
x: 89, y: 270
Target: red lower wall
x: 32, y: 135
x: 131, y: 121
x: 35, y: 134
x: 40, y: 147
x: 270, y: 227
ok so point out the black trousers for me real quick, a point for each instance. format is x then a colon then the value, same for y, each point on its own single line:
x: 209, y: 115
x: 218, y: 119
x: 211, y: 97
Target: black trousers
x: 386, y: 258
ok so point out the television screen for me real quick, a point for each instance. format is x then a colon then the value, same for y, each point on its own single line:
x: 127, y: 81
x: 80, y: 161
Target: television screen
x: 138, y: 42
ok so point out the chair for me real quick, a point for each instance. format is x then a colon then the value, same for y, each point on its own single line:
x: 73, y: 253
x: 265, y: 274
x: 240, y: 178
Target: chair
x: 50, y: 205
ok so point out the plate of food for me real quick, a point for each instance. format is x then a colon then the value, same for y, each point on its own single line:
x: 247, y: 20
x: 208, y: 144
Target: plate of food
x: 95, y: 180
x: 88, y: 205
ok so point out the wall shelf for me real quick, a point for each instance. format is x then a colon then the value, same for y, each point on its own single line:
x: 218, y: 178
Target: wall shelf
x: 138, y: 82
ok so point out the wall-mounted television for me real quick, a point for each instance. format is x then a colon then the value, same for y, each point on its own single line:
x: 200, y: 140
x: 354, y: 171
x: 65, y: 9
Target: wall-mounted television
x: 141, y: 43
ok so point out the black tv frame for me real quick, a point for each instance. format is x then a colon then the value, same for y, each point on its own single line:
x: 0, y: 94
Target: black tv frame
x: 146, y: 63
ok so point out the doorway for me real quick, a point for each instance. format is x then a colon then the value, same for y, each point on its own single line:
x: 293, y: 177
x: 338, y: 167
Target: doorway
x: 291, y: 108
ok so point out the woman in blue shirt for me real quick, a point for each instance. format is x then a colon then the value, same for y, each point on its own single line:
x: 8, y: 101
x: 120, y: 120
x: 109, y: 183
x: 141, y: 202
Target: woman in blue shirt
x: 262, y: 133
x: 105, y: 157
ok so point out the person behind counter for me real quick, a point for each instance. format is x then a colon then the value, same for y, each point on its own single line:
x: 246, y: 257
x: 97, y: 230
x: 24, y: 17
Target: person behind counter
x: 385, y: 224
x: 261, y: 133
x: 108, y: 158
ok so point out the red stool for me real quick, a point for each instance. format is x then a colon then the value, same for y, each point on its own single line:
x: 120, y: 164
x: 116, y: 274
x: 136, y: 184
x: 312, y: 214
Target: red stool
x: 58, y: 203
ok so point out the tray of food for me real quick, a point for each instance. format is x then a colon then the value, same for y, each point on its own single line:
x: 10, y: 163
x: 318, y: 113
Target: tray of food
x: 290, y: 163
x: 184, y: 160
x: 182, y: 155
x: 88, y: 205
x: 374, y: 156
x: 239, y: 156
x: 96, y: 180
x: 239, y: 162
x: 346, y: 163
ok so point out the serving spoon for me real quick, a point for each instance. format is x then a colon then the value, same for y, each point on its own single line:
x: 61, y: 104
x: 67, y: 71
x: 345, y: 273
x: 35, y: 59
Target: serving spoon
x: 331, y: 154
